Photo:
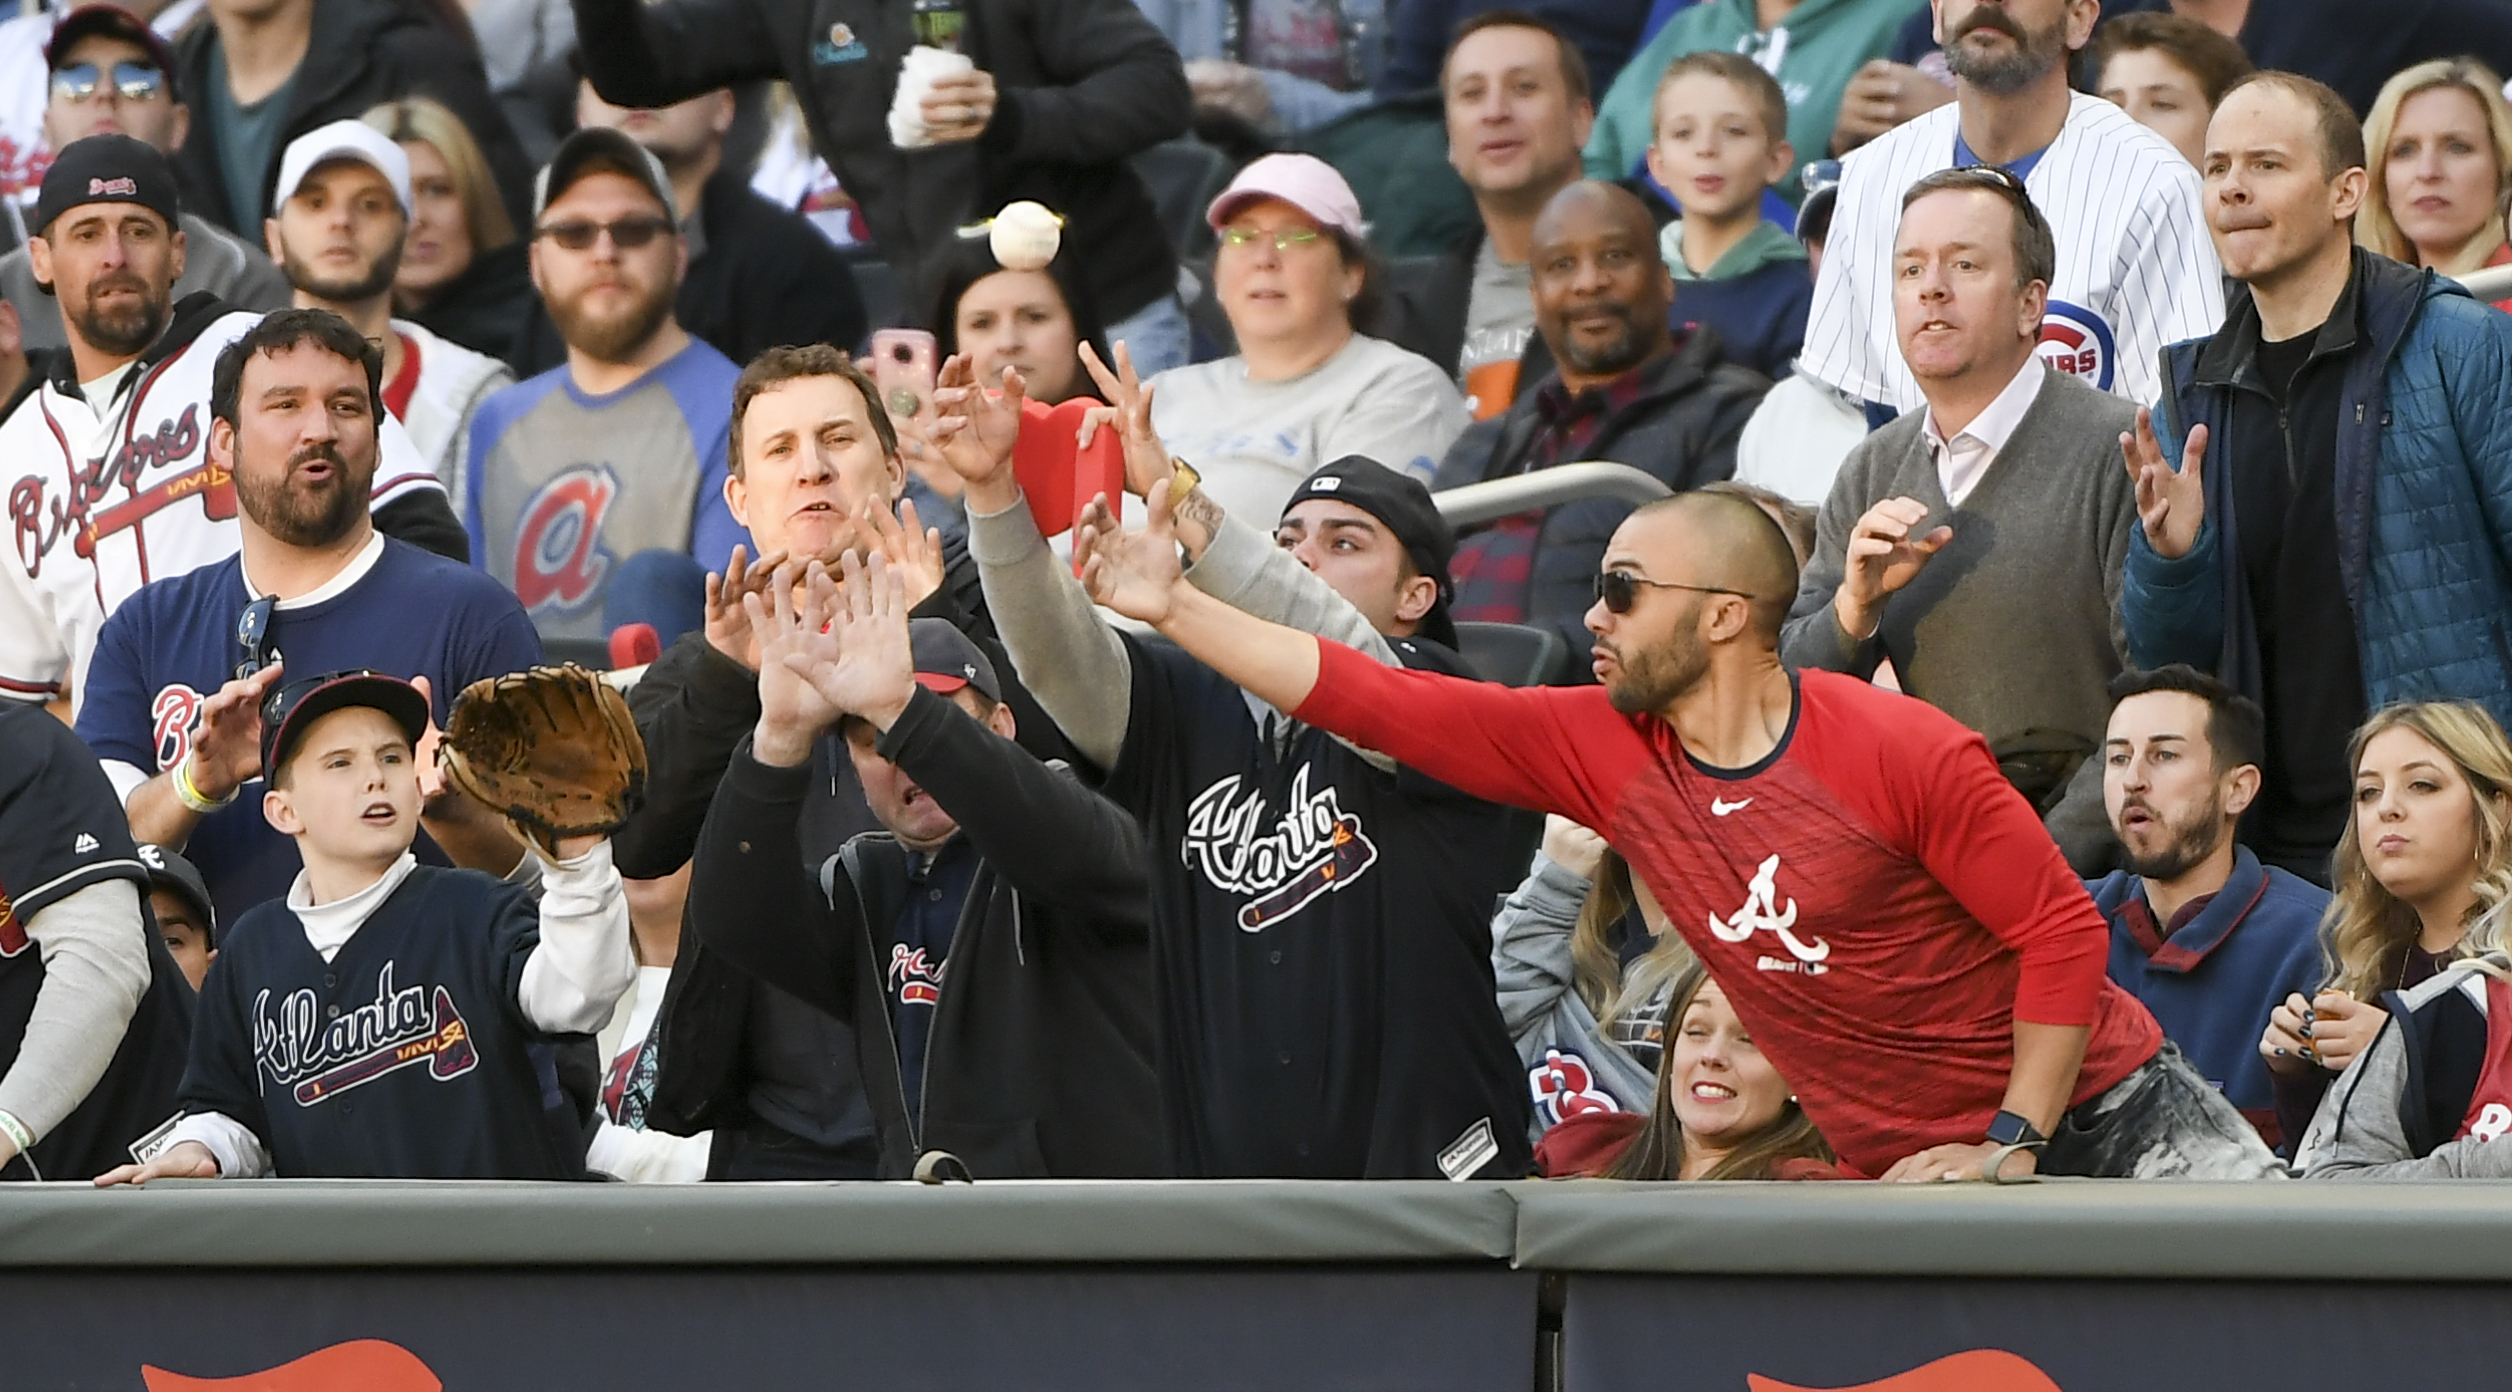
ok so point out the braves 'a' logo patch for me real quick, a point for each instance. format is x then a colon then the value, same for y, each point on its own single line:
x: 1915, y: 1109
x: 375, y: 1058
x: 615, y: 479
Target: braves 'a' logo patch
x: 1563, y: 1087
x: 559, y: 560
x: 2077, y: 340
x: 172, y: 715
x: 318, y: 1059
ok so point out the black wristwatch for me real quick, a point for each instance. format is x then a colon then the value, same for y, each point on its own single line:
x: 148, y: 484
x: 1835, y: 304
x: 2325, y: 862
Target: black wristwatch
x: 2008, y: 1129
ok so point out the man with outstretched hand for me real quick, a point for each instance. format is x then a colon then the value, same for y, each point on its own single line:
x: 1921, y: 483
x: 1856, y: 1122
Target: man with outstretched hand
x: 1885, y: 912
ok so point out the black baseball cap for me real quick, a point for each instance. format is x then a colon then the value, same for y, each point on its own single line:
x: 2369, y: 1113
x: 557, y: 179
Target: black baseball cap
x: 601, y: 149
x: 947, y: 660
x: 113, y: 22
x: 1402, y: 504
x: 108, y: 169
x: 169, y: 871
x: 288, y: 712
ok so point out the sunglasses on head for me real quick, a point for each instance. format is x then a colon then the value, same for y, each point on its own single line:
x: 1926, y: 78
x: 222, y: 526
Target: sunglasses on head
x: 131, y: 81
x: 627, y: 234
x: 253, y: 635
x: 1620, y: 589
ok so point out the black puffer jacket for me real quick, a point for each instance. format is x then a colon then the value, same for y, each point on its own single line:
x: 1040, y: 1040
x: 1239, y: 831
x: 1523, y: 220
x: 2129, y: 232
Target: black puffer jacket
x: 1039, y: 1062
x: 1082, y: 85
x: 362, y: 52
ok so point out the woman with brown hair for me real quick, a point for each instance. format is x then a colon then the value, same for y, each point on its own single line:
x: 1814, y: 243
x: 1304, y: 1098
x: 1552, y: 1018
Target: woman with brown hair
x: 2440, y: 141
x: 464, y: 274
x: 1722, y: 1110
x: 2426, y: 856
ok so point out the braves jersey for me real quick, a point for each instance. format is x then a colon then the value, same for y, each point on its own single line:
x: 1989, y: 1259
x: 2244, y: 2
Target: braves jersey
x: 564, y: 486
x: 1321, y: 935
x: 61, y: 831
x: 408, y: 1055
x: 2136, y: 270
x: 395, y: 609
x: 1878, y: 903
x: 107, y: 496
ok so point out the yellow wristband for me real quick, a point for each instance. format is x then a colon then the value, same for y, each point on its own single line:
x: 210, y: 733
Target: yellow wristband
x: 191, y: 796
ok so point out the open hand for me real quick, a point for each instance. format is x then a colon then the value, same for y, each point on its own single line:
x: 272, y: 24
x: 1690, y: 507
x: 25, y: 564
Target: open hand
x: 1128, y: 412
x: 182, y: 1160
x: 976, y: 430
x: 792, y: 713
x: 1136, y: 573
x: 727, y: 623
x: 1883, y: 556
x: 873, y: 671
x: 2170, y: 504
x: 227, y: 740
x: 914, y: 552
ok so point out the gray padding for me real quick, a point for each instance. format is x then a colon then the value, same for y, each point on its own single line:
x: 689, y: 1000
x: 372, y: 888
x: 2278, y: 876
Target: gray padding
x: 446, y: 1223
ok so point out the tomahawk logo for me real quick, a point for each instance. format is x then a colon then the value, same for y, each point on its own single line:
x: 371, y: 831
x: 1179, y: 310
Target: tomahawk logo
x: 319, y: 1058
x: 1314, y: 849
x: 1762, y: 913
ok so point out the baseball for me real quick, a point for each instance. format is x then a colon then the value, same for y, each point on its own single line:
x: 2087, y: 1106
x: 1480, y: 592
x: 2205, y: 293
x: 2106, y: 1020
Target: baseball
x: 1024, y: 236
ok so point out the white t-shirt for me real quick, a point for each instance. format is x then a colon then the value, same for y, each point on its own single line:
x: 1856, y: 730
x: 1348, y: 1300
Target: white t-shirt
x: 1254, y: 441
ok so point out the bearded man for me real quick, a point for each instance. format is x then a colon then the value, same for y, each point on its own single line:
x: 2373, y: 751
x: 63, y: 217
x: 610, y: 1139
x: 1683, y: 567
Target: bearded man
x: 344, y: 208
x: 2206, y: 936
x: 620, y: 451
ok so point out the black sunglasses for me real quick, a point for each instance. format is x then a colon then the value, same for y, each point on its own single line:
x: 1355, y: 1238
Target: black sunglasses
x: 253, y: 635
x: 1619, y: 589
x: 131, y: 81
x: 627, y: 234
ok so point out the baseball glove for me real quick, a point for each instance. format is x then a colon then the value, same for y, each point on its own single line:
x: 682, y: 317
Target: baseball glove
x: 553, y: 748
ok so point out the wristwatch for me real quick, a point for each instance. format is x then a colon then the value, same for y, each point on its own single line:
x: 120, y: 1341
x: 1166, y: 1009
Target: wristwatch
x: 2008, y: 1129
x: 1182, y: 480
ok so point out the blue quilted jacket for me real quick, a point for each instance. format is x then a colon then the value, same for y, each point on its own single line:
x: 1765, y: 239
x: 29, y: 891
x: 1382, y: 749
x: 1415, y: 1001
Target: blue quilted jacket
x: 2424, y: 502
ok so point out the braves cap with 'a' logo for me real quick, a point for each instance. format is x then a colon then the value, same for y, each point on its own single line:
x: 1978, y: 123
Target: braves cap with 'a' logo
x: 107, y: 169
x: 947, y: 660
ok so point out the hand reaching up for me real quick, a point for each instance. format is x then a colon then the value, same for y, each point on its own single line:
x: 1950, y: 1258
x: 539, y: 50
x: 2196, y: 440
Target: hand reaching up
x: 976, y: 431
x: 2171, y: 504
x: 1128, y: 412
x: 792, y: 713
x: 1133, y: 573
x: 914, y: 553
x: 727, y: 623
x: 873, y: 671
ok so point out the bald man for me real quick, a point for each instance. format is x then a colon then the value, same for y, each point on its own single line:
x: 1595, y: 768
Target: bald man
x: 1625, y: 387
x: 1881, y: 907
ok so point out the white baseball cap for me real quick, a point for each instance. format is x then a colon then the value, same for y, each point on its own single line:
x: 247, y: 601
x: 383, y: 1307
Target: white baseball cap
x: 345, y: 140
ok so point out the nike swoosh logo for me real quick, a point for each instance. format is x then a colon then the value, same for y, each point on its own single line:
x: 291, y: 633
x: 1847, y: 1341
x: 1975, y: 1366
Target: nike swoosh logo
x: 1721, y: 809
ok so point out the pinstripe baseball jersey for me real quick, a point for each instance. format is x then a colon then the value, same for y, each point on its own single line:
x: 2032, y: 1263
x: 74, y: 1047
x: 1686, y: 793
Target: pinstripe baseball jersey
x: 2136, y: 269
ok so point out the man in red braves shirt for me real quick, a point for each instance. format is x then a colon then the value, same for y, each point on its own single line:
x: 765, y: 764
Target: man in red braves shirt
x: 1884, y: 911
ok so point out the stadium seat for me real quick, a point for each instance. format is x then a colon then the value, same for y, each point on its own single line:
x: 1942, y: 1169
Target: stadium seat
x: 1515, y: 655
x: 591, y: 653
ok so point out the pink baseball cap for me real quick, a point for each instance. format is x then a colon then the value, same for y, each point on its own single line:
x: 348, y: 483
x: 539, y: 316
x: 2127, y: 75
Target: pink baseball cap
x: 1303, y: 181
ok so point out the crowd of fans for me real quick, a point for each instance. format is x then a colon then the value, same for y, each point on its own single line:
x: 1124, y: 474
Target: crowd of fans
x: 2054, y: 721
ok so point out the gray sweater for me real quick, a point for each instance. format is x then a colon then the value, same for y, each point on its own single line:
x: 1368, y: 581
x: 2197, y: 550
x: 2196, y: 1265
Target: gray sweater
x: 2014, y: 625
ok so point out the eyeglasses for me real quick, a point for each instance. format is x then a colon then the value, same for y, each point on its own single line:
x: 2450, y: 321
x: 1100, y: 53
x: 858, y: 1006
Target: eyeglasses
x: 1619, y: 589
x: 253, y: 635
x: 131, y: 81
x: 627, y: 234
x: 1283, y: 240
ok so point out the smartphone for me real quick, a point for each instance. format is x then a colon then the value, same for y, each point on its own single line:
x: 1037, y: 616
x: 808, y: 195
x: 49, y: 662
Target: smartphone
x: 904, y: 362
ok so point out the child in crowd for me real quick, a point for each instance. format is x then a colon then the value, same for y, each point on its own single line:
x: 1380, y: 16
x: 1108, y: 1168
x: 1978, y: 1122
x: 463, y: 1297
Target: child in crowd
x: 388, y: 1019
x: 1721, y: 139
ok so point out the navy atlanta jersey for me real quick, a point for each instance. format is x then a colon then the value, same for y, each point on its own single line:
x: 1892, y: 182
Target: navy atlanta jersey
x: 61, y: 831
x: 1322, y: 940
x: 396, y: 609
x: 406, y: 1056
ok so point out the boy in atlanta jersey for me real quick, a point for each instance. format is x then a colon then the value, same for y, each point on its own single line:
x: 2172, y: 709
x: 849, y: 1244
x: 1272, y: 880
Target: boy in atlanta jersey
x: 1882, y: 908
x: 389, y: 1019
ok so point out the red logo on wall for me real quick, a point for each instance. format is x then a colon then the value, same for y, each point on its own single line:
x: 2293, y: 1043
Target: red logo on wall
x: 1979, y: 1370
x: 369, y: 1365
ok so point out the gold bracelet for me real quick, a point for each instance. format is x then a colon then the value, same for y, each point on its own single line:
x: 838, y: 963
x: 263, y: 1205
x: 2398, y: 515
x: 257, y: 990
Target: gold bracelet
x: 192, y: 797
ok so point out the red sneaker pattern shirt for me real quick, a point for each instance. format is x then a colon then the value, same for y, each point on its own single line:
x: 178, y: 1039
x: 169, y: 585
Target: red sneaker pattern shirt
x: 1878, y: 903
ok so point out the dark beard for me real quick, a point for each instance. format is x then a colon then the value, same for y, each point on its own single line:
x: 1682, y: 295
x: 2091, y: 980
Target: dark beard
x: 121, y: 333
x: 1653, y: 678
x: 1612, y: 359
x: 377, y: 279
x: 2034, y: 55
x: 2192, y: 842
x: 613, y: 340
x: 305, y: 516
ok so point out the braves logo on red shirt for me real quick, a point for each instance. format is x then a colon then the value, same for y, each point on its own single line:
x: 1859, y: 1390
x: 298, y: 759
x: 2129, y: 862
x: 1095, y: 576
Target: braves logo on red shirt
x: 1564, y: 1087
x: 559, y: 560
x: 915, y: 978
x: 173, y: 714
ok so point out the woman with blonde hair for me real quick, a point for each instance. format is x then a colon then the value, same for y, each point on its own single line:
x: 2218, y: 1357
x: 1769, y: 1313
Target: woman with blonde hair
x: 2422, y: 878
x: 464, y: 273
x: 2440, y: 141
x: 1722, y: 1111
x: 1586, y: 969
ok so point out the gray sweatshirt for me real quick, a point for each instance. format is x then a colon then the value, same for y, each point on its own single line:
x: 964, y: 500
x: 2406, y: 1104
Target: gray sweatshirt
x: 1572, y: 1064
x: 2358, y: 1134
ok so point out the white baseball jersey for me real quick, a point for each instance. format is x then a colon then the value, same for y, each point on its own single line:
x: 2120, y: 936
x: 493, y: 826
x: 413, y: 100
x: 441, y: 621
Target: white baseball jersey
x: 2136, y: 270
x: 104, y: 498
